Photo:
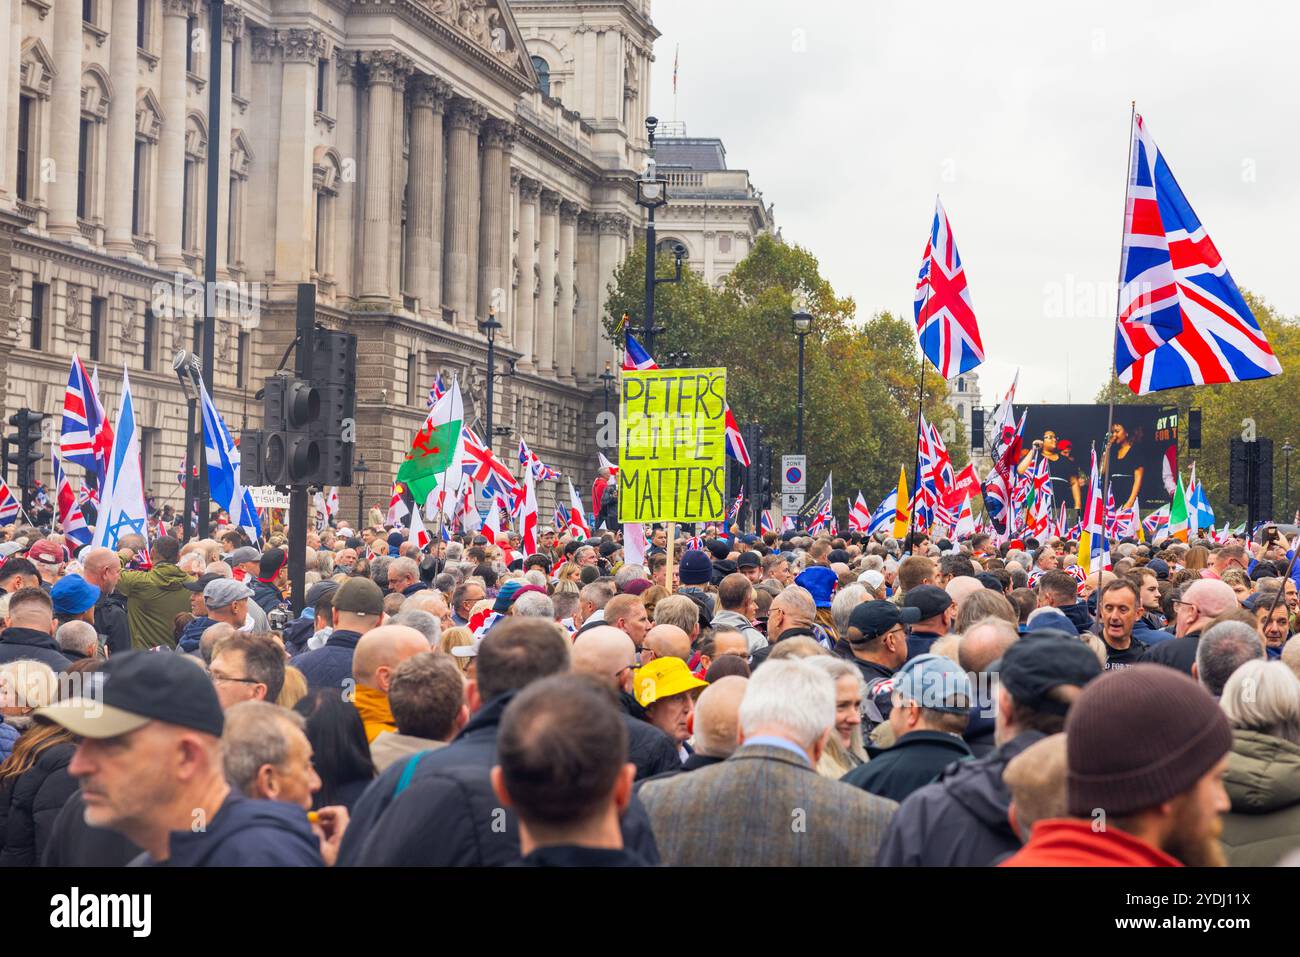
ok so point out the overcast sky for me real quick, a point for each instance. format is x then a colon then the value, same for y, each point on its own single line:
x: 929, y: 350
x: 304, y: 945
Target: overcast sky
x: 851, y: 116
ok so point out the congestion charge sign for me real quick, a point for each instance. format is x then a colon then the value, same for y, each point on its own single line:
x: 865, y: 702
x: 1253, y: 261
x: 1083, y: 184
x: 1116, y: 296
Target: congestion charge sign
x: 672, y: 463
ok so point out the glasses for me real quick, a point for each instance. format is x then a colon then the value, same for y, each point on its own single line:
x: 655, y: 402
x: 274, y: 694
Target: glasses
x: 218, y: 676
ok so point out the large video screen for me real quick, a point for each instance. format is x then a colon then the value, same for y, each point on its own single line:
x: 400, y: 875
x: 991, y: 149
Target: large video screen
x: 1143, y: 451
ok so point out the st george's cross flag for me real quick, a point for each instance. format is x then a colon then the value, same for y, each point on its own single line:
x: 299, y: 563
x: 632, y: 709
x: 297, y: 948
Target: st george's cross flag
x: 945, y: 320
x: 1182, y: 320
x: 577, y: 518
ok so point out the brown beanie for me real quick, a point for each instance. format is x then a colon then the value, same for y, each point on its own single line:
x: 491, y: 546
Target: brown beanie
x: 1139, y: 736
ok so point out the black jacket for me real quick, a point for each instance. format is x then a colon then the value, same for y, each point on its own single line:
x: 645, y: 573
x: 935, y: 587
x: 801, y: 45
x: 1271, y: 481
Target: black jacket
x: 28, y: 643
x: 247, y: 832
x: 1079, y: 616
x: 760, y: 656
x: 110, y: 621
x: 571, y: 855
x: 414, y: 587
x: 74, y: 843
x: 448, y: 815
x: 297, y: 633
x: 652, y: 751
x: 1179, y: 653
x: 30, y: 803
x: 959, y: 820
x: 266, y: 595
x: 914, y: 761
x: 919, y: 642
x: 329, y: 666
x: 693, y: 763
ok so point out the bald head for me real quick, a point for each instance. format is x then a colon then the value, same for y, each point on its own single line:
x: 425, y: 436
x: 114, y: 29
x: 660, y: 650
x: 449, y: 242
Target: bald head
x: 605, y: 653
x: 962, y: 587
x: 1211, y: 598
x: 984, y: 643
x: 717, y: 717
x: 668, y: 641
x: 381, y: 650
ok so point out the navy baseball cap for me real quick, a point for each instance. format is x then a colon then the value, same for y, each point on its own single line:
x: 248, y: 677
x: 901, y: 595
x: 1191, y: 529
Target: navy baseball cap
x: 873, y: 618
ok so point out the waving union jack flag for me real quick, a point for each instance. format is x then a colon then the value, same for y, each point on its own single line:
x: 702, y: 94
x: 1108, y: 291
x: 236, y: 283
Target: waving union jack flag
x: 945, y: 320
x: 1182, y: 320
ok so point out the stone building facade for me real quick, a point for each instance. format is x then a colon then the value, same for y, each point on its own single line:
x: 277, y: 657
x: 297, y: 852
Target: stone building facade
x: 715, y: 212
x: 421, y: 161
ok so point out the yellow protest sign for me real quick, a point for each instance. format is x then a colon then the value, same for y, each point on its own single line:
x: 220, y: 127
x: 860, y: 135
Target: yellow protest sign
x: 672, y: 446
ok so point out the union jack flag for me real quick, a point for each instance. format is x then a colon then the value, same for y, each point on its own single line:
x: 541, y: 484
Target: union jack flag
x: 541, y: 471
x: 765, y: 522
x: 8, y: 504
x: 823, y: 519
x: 482, y: 465
x: 635, y: 358
x: 86, y: 436
x: 695, y: 543
x: 436, y: 391
x: 71, y: 519
x: 945, y: 320
x: 1182, y: 320
x: 735, y: 506
x: 735, y: 444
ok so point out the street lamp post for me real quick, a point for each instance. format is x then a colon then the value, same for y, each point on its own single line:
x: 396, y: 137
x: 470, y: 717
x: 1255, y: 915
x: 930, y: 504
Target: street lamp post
x: 651, y: 193
x: 1287, y: 449
x: 802, y: 326
x: 359, y: 469
x: 186, y: 365
x: 489, y: 328
x: 606, y: 380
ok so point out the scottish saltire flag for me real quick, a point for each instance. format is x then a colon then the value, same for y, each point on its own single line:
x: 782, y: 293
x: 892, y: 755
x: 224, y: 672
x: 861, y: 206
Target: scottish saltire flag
x: 765, y: 522
x: 71, y: 519
x: 8, y: 504
x: 85, y: 438
x: 945, y: 321
x: 541, y: 471
x: 122, y: 509
x: 1182, y: 321
x: 1200, y: 514
x: 882, y: 518
x: 436, y: 391
x: 635, y: 358
x: 735, y: 444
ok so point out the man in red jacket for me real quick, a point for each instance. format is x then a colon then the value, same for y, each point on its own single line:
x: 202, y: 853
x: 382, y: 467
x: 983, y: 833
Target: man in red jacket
x: 1147, y: 748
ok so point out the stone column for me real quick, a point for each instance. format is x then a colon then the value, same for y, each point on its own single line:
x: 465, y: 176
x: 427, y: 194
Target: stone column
x: 121, y: 128
x: 65, y: 118
x: 295, y: 206
x: 232, y: 29
x: 382, y: 67
x: 548, y: 238
x: 171, y: 140
x: 494, y: 219
x: 613, y: 229
x: 346, y: 71
x: 397, y: 195
x: 588, y: 331
x: 8, y: 94
x: 564, y: 324
x: 527, y: 253
x: 425, y: 148
x: 464, y: 117
x: 472, y: 312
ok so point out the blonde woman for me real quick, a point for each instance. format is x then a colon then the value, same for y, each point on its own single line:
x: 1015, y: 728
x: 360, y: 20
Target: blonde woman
x: 455, y: 638
x: 24, y: 686
x: 844, y: 748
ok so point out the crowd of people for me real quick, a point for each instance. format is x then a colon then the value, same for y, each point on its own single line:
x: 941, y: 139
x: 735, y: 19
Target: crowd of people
x: 775, y: 700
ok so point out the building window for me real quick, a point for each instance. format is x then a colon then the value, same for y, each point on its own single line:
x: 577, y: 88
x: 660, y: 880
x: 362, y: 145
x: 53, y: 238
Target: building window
x: 187, y: 221
x: 148, y: 445
x: 88, y: 11
x: 25, y: 106
x: 234, y: 67
x: 83, y: 170
x: 412, y: 376
x: 142, y: 24
x: 961, y: 412
x: 192, y: 188
x: 961, y: 385
x: 322, y: 230
x: 98, y: 305
x: 322, y: 85
x: 232, y: 221
x: 40, y: 298
x: 137, y: 188
x: 241, y: 359
x: 325, y: 181
x: 543, y: 75
x: 724, y: 244
x: 191, y: 25
x: 150, y: 332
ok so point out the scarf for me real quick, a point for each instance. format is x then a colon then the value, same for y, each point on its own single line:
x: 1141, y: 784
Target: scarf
x: 375, y: 713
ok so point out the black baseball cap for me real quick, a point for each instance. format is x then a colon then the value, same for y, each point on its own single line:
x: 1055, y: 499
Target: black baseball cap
x: 201, y: 582
x: 1041, y: 661
x: 929, y: 600
x: 137, y: 687
x: 873, y: 618
x: 749, y: 560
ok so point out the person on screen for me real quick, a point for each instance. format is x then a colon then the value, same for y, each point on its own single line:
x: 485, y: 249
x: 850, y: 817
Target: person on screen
x: 1125, y: 472
x: 1060, y: 465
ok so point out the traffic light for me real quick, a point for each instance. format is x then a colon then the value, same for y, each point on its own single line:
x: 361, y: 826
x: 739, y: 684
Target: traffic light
x: 25, y: 447
x: 308, y: 424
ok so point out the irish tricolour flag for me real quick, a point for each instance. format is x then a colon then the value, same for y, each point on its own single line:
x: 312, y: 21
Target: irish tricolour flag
x: 434, y: 458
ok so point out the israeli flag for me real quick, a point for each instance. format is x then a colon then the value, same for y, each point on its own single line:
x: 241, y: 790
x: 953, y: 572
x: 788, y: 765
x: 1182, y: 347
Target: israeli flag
x: 883, y: 517
x: 122, y: 508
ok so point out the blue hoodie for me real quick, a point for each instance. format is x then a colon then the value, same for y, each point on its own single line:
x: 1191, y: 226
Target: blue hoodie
x: 193, y: 632
x: 247, y: 833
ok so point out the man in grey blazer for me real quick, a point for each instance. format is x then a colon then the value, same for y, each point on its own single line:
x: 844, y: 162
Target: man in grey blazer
x: 765, y: 805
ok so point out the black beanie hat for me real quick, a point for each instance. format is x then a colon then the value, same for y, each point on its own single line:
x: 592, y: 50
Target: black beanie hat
x: 1183, y: 734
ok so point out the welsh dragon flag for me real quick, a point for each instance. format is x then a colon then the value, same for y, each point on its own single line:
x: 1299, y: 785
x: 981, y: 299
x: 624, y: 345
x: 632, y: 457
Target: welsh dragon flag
x: 436, y: 452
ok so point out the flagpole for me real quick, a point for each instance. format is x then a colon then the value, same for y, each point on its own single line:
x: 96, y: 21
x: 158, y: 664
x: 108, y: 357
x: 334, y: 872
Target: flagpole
x: 920, y: 401
x: 1119, y: 292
